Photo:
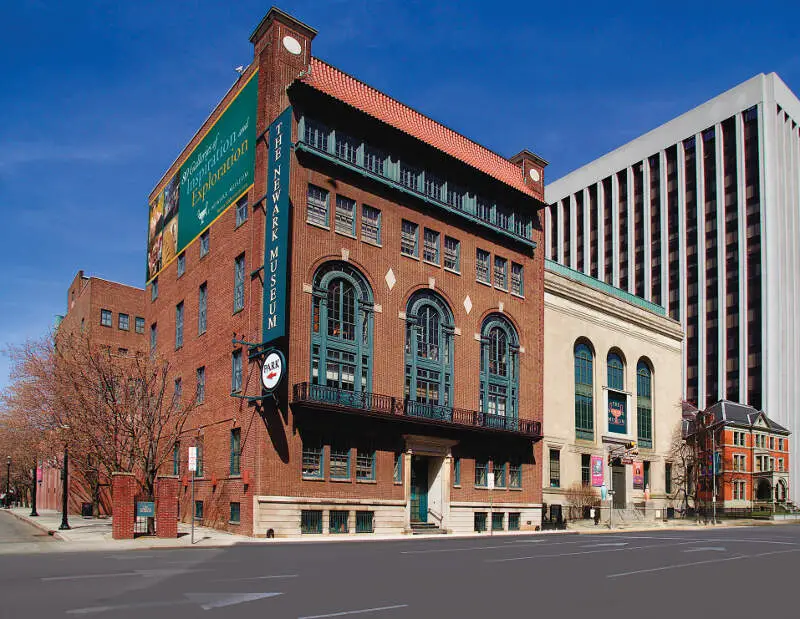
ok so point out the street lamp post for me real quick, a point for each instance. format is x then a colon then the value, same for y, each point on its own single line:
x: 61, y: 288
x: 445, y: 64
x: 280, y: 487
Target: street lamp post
x: 33, y: 489
x: 8, y: 481
x: 65, y: 491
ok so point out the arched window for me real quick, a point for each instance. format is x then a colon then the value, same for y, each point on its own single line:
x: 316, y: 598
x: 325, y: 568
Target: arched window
x: 644, y: 405
x: 429, y: 353
x: 341, y: 329
x: 499, y: 368
x: 584, y: 392
x: 616, y: 372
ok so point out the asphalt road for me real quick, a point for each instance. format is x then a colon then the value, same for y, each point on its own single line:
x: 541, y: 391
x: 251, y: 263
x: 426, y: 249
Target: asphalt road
x: 738, y: 572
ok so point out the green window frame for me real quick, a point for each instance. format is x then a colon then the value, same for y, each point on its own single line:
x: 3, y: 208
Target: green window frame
x: 500, y: 471
x: 236, y: 451
x: 456, y: 471
x: 499, y: 371
x: 205, y: 243
x: 200, y: 392
x: 342, y: 325
x: 668, y: 477
x: 317, y: 201
x: 616, y: 372
x: 452, y: 254
x: 198, y: 443
x: 482, y: 270
x: 236, y: 512
x: 241, y: 211
x: 106, y: 318
x: 481, y: 473
x: 238, y: 283
x: 139, y: 325
x: 498, y: 521
x: 500, y: 273
x: 398, y: 467
x: 430, y: 328
x: 345, y: 220
x: 124, y: 322
x: 586, y: 470
x: 584, y: 392
x: 517, y: 279
x: 555, y: 468
x: 430, y: 247
x: 409, y: 238
x: 181, y: 264
x: 202, y: 308
x: 313, y: 465
x: 365, y: 464
x: 644, y: 405
x: 198, y: 510
x: 236, y: 371
x: 365, y: 522
x: 179, y: 325
x: 337, y: 521
x: 176, y: 458
x: 154, y: 289
x: 339, y: 465
x: 311, y: 521
x: 153, y: 338
x: 480, y: 521
x: 370, y: 224
x: 513, y: 521
x: 514, y: 475
x: 316, y: 134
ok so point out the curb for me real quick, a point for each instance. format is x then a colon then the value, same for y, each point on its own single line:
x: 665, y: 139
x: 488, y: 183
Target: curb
x: 51, y: 532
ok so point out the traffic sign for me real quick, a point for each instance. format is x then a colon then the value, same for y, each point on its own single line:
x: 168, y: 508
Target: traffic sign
x: 193, y: 459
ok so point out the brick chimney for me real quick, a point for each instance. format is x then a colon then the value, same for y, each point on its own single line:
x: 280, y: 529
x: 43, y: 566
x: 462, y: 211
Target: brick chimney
x: 532, y: 166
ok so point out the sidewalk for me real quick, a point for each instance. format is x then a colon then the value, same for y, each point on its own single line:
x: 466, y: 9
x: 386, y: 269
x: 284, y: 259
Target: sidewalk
x: 95, y: 533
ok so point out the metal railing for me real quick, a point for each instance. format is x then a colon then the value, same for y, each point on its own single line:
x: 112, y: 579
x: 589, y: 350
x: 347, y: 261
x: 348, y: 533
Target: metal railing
x: 384, y: 405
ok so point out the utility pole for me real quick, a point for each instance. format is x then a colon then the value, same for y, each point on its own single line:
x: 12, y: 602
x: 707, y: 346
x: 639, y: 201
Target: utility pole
x: 65, y: 491
x: 713, y: 478
x: 34, y: 488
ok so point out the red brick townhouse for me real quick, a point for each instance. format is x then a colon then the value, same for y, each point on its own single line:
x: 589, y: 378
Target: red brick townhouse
x: 753, y: 457
x: 352, y: 293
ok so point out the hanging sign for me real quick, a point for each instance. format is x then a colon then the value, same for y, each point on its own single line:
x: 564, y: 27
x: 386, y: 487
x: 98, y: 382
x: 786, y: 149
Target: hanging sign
x: 597, y: 471
x: 638, y: 476
x: 193, y: 459
x: 276, y: 231
x: 272, y: 370
x: 617, y: 418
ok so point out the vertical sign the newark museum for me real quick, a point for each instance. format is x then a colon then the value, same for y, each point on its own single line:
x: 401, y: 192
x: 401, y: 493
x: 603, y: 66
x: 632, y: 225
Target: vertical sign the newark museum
x: 276, y: 232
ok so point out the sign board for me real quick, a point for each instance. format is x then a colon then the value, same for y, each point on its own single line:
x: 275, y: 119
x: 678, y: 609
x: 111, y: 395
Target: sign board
x: 626, y: 460
x: 597, y: 471
x: 272, y: 370
x: 276, y: 232
x: 617, y: 417
x: 217, y: 172
x: 490, y: 481
x: 193, y: 459
x: 145, y: 509
x: 638, y: 475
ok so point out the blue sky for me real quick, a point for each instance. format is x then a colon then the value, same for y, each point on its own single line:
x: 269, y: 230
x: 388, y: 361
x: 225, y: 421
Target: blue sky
x: 97, y: 99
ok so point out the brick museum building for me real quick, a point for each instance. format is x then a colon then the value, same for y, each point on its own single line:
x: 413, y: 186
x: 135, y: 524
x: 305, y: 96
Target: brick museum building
x: 353, y: 294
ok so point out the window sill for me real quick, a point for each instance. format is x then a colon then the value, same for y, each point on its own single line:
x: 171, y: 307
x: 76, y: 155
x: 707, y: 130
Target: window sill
x: 342, y: 480
x: 235, y: 476
x: 305, y: 478
x: 517, y: 295
x: 398, y: 483
x: 481, y: 487
x: 453, y: 271
x: 433, y: 264
x: 238, y: 311
x: 500, y: 288
x: 348, y: 235
x: 177, y: 348
x: 107, y: 326
x: 515, y: 489
x: 456, y: 485
x: 487, y: 284
x: 367, y: 481
x: 320, y: 226
x: 410, y: 256
x: 240, y: 224
x: 373, y: 243
x: 234, y: 522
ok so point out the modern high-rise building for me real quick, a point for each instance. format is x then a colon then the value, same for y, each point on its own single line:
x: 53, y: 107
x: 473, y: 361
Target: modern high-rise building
x: 702, y: 216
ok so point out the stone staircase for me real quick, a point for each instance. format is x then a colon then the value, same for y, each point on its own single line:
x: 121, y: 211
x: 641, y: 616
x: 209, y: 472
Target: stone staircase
x: 426, y: 528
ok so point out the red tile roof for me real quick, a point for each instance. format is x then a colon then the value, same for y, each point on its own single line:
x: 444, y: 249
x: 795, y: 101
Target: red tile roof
x: 331, y: 81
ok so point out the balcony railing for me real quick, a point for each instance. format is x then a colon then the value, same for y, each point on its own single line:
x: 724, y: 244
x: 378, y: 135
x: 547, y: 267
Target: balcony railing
x: 387, y: 406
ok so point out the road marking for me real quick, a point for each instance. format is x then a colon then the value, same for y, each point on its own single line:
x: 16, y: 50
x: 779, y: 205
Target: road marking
x: 130, y: 557
x: 606, y: 544
x: 711, y: 540
x: 259, y: 577
x: 706, y: 549
x: 532, y: 541
x: 363, y: 611
x: 154, y: 573
x: 585, y: 552
x: 206, y: 601
x: 707, y: 562
x: 435, y: 550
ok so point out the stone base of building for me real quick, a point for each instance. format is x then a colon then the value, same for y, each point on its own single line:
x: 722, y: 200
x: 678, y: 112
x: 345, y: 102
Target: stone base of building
x: 286, y: 516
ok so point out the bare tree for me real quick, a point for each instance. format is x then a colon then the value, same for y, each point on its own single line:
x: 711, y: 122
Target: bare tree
x: 683, y: 458
x: 115, y: 412
x: 579, y: 497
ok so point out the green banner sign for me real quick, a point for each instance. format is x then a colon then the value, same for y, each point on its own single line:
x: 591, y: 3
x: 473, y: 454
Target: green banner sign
x: 617, y: 415
x: 276, y: 234
x: 217, y: 172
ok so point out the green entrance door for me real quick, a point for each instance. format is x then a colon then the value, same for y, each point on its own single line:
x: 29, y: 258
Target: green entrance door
x: 419, y: 489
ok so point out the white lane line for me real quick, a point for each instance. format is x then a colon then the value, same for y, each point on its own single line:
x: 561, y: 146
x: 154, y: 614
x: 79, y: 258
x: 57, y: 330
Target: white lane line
x: 529, y: 541
x: 712, y: 540
x: 436, y: 550
x: 706, y: 549
x: 586, y: 552
x: 363, y: 611
x: 680, y: 565
x: 606, y: 544
x: 88, y: 576
x: 260, y: 577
